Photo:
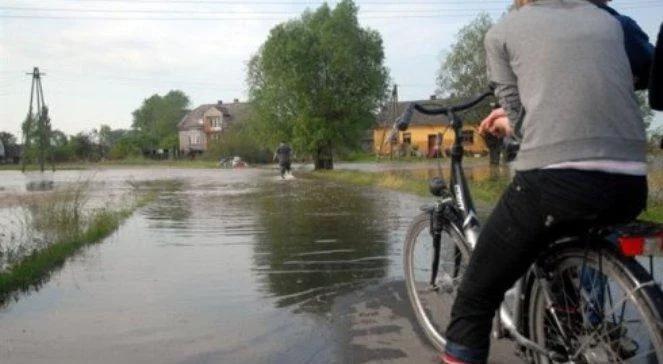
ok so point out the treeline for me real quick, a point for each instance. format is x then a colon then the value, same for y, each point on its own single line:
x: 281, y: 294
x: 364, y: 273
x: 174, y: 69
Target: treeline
x: 153, y: 134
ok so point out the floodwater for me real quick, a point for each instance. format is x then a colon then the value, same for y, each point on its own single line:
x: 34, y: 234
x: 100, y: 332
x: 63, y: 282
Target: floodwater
x: 230, y: 266
x: 234, y: 266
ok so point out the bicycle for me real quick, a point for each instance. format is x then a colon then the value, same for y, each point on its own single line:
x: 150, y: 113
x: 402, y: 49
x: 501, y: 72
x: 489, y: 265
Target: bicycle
x: 579, y: 302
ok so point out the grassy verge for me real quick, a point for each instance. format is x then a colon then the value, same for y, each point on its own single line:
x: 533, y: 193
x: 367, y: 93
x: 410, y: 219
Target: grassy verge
x: 655, y: 206
x: 62, y: 217
x: 486, y: 191
x: 36, y: 267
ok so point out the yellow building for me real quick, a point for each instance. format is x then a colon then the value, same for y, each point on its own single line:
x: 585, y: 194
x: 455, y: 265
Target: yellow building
x: 422, y: 135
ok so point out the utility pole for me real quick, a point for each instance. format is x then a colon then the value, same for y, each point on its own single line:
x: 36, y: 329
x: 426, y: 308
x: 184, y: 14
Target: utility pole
x: 42, y: 129
x: 394, y: 113
x: 390, y: 113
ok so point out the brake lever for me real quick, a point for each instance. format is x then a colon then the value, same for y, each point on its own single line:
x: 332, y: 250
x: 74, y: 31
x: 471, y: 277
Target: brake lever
x: 401, y: 124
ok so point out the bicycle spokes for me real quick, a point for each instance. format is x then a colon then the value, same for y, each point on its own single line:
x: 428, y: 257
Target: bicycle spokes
x: 590, y: 316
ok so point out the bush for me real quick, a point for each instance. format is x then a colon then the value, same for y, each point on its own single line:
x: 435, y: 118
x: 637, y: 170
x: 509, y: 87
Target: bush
x: 125, y: 147
x: 238, y: 142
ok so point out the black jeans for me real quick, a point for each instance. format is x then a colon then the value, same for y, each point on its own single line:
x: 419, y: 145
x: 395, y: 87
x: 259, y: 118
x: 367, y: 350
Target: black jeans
x: 536, y: 206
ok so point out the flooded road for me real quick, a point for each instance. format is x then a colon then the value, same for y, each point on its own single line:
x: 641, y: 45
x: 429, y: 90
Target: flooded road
x: 231, y: 267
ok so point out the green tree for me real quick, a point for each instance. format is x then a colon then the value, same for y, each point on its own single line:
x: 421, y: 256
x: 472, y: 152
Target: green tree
x: 127, y: 144
x: 83, y: 146
x: 37, y: 132
x: 463, y: 74
x: 7, y: 144
x: 647, y: 113
x: 7, y: 139
x: 317, y: 80
x: 656, y: 139
x: 105, y: 134
x: 156, y: 120
x: 61, y: 148
x: 239, y: 140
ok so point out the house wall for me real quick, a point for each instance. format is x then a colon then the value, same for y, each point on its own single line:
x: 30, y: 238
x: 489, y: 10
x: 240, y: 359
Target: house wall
x: 211, y: 113
x: 419, y: 136
x: 192, y: 135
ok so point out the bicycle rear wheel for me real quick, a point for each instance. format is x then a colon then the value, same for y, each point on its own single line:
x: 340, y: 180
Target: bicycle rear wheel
x: 592, y: 309
x: 432, y: 302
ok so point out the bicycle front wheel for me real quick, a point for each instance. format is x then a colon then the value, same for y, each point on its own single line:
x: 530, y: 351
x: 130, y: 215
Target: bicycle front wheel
x: 596, y: 307
x: 432, y: 295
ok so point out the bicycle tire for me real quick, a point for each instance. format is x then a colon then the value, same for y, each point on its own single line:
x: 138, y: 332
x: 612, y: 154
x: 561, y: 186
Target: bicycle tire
x: 434, y: 331
x: 615, y: 271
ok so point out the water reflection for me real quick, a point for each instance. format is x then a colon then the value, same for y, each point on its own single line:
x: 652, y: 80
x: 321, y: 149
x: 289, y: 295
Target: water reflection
x: 171, y: 205
x: 318, y: 243
x: 43, y: 185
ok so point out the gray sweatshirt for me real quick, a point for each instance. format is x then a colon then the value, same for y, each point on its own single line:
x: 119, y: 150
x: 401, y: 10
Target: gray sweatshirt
x: 565, y: 61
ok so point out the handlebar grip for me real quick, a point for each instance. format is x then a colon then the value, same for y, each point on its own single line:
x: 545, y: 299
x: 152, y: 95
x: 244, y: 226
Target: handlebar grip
x: 404, y: 120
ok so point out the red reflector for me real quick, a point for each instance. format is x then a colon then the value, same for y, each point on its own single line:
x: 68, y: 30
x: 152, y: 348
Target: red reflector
x: 631, y: 245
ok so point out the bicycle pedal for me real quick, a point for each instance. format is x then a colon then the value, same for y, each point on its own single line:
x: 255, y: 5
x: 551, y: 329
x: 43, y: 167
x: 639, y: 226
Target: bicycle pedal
x: 627, y: 348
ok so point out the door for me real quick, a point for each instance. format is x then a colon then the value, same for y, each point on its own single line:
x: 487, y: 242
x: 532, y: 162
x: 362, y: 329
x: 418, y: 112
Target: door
x: 432, y: 151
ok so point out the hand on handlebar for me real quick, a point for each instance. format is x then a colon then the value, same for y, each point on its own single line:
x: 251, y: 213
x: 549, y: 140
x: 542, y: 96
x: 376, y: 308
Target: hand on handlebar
x: 497, y: 124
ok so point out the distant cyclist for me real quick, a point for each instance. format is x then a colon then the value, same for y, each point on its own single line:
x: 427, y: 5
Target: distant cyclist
x: 283, y: 154
x: 582, y: 159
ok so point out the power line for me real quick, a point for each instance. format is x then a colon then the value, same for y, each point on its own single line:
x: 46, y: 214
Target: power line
x: 396, y: 16
x: 250, y: 12
x: 500, y: 3
x: 255, y: 15
x: 290, y: 2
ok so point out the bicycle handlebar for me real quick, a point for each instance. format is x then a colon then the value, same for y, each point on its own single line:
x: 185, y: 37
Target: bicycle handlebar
x: 403, y: 121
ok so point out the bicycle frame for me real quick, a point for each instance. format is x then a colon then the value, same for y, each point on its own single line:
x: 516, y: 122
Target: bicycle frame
x: 471, y: 227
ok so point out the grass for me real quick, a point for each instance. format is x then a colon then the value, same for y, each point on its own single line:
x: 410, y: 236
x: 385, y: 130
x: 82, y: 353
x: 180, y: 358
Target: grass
x: 389, y: 181
x: 68, y: 226
x: 37, y: 267
x: 655, y: 205
x: 487, y: 190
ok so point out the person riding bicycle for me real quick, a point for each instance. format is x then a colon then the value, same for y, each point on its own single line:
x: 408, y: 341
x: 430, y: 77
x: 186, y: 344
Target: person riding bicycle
x: 656, y: 80
x: 582, y: 157
x: 282, y: 154
x: 638, y: 49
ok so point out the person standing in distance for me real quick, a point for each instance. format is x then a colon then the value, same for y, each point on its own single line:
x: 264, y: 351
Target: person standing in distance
x: 283, y: 153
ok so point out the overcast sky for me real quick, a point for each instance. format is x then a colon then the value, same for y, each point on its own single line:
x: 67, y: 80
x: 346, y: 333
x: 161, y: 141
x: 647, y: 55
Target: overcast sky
x: 98, y: 70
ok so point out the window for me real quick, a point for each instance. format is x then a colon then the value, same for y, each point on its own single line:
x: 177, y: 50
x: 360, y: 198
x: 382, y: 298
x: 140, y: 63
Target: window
x: 407, y: 138
x: 468, y: 136
x: 215, y: 121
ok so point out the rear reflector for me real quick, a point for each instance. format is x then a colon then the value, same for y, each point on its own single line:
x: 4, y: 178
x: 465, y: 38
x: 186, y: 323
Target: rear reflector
x: 632, y: 246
